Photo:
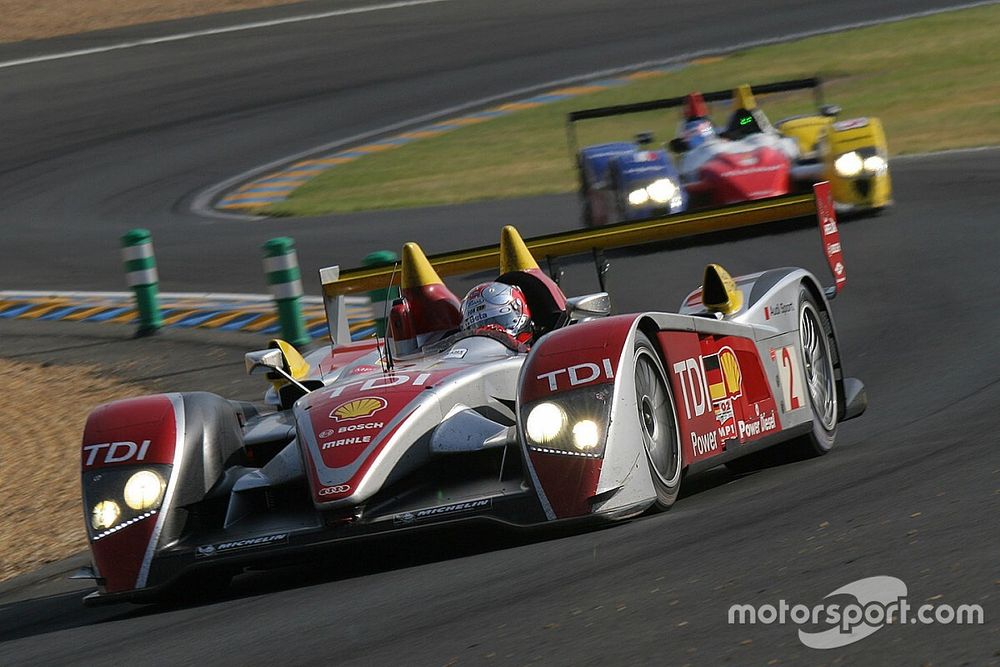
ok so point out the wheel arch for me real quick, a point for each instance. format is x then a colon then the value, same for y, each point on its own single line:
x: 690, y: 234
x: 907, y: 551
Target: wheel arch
x: 826, y: 315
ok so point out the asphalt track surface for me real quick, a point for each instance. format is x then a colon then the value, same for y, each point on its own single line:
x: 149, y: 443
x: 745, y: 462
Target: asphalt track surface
x: 911, y: 490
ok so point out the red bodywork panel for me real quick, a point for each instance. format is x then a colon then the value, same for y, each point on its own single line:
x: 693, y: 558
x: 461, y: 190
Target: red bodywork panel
x: 730, y: 178
x: 351, y: 422
x: 721, y: 393
x: 127, y: 433
x: 426, y: 309
x: 569, y: 359
x: 344, y: 355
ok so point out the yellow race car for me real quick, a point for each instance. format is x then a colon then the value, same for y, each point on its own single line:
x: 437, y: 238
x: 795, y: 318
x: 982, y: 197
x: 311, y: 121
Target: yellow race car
x: 851, y: 153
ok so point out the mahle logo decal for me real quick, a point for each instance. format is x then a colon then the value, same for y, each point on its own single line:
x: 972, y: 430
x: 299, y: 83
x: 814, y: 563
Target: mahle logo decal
x: 358, y: 408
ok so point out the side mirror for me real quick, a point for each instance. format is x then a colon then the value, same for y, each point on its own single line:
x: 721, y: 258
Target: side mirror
x: 282, y: 362
x: 588, y: 306
x: 678, y: 145
x: 644, y: 138
x: 271, y: 361
x: 830, y: 110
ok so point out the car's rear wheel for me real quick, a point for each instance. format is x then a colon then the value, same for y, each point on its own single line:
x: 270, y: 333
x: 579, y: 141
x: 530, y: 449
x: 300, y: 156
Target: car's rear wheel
x: 658, y: 424
x: 816, y: 345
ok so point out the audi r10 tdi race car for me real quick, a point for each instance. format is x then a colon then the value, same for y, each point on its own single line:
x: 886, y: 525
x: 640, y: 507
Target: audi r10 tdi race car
x: 572, y: 414
x: 747, y: 159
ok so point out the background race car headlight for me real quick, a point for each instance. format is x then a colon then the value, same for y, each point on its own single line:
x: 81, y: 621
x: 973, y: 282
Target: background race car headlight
x: 104, y: 514
x: 638, y: 197
x: 661, y: 190
x: 144, y: 490
x: 849, y: 164
x: 573, y: 422
x: 876, y: 164
x: 117, y: 497
x: 545, y: 422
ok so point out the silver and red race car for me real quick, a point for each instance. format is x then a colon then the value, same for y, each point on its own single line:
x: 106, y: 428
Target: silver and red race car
x: 600, y: 416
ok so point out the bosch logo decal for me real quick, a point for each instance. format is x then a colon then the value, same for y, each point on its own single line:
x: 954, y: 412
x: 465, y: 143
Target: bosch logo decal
x: 335, y: 490
x: 116, y: 452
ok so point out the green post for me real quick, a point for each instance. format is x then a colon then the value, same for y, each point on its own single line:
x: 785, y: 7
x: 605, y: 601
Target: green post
x: 379, y: 297
x: 140, y: 271
x: 281, y: 265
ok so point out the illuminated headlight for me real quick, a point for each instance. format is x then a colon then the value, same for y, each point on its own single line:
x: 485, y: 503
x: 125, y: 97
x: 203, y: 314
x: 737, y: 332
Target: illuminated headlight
x: 661, y: 190
x: 120, y: 497
x: 849, y: 164
x: 545, y: 422
x: 875, y: 164
x: 585, y: 435
x: 638, y: 197
x: 104, y: 514
x: 572, y: 422
x: 144, y: 490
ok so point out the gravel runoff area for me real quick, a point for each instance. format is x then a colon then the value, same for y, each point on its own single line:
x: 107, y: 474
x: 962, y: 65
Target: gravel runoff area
x: 38, y: 19
x: 53, y: 374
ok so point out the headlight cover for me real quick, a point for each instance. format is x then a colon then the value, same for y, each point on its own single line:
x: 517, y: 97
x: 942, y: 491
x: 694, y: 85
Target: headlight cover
x: 118, y: 497
x: 661, y: 191
x: 638, y: 197
x: 866, y: 161
x: 573, y: 423
x: 875, y: 164
x: 849, y: 164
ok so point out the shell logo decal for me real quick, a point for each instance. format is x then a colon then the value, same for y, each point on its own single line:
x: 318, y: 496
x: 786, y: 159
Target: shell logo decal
x: 358, y: 408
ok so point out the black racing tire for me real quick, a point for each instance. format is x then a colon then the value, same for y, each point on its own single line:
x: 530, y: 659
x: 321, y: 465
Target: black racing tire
x: 657, y: 415
x: 816, y: 345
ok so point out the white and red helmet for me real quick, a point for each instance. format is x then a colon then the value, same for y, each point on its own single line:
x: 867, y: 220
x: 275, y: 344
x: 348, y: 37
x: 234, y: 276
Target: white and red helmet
x: 497, y: 307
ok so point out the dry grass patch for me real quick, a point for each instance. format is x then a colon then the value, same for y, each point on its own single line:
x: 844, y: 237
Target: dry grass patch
x: 49, y: 18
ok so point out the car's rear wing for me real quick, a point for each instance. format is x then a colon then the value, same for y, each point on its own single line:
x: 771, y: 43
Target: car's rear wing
x: 337, y: 283
x: 812, y: 83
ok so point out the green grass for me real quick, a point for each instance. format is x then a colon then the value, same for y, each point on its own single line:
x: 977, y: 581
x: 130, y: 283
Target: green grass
x: 934, y: 82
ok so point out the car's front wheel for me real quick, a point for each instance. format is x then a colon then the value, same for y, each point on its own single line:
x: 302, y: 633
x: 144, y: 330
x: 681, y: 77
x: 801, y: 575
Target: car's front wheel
x: 658, y: 424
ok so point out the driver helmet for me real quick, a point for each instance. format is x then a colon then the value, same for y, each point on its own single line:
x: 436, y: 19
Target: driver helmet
x: 497, y: 307
x: 697, y: 131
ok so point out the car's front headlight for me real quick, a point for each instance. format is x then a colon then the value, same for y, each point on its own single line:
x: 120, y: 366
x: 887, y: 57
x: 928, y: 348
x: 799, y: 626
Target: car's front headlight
x: 849, y: 164
x: 118, y: 497
x: 545, y: 422
x: 144, y: 490
x: 661, y: 190
x: 638, y: 197
x: 875, y: 164
x: 104, y: 514
x: 573, y: 422
x: 864, y: 160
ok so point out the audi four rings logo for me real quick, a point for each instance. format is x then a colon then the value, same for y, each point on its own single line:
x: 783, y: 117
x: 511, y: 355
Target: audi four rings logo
x: 334, y: 490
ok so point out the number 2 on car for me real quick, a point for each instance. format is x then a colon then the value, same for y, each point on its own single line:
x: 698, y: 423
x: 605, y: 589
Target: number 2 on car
x: 789, y: 377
